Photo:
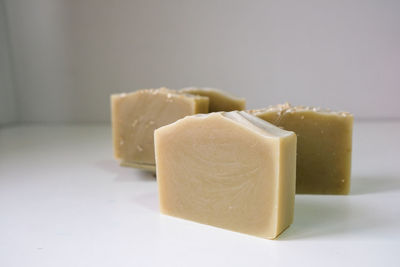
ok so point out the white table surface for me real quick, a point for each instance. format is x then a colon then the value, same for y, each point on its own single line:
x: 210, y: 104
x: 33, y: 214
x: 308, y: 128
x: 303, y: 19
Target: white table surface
x: 64, y: 201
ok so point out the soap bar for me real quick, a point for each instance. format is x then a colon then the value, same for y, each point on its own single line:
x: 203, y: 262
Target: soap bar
x: 219, y: 100
x: 324, y: 146
x: 136, y: 115
x: 230, y: 170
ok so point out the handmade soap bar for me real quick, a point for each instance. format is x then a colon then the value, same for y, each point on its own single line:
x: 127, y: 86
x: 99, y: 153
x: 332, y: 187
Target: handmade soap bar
x: 231, y: 170
x: 324, y: 146
x: 136, y: 115
x: 219, y: 100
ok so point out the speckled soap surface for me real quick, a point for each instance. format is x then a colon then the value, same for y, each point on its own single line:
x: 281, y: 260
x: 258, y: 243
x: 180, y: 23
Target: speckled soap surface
x: 324, y: 149
x: 136, y: 115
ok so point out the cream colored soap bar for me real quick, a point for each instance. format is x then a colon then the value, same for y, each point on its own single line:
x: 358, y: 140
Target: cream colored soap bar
x: 136, y: 115
x: 324, y: 146
x: 219, y: 100
x: 231, y: 170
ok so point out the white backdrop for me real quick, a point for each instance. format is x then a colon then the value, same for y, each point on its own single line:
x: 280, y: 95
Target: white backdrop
x: 68, y: 56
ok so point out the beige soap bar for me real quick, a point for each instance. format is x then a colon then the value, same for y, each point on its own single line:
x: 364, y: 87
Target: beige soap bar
x: 231, y: 170
x: 219, y: 100
x: 136, y: 115
x: 324, y: 146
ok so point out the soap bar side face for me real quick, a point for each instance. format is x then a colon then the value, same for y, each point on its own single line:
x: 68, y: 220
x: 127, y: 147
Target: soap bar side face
x: 213, y: 172
x: 324, y: 151
x: 219, y: 100
x: 135, y: 116
x: 287, y: 182
x: 324, y: 148
x: 200, y: 105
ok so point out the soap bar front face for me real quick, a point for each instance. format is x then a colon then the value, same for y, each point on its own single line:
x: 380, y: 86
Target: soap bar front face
x: 225, y: 170
x: 219, y: 100
x: 136, y: 115
x: 324, y: 146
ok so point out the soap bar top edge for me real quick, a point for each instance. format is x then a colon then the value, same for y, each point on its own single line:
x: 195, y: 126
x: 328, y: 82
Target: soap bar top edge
x: 288, y: 108
x: 209, y: 89
x: 161, y: 90
x: 245, y: 120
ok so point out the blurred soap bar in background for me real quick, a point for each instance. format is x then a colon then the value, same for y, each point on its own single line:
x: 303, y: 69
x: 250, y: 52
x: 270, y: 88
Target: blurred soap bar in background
x: 229, y: 169
x: 136, y: 115
x: 219, y: 100
x: 324, y: 149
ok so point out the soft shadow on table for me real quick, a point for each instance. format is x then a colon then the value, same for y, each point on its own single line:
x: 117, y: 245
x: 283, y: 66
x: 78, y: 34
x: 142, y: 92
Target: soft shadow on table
x: 319, y: 215
x: 316, y: 218
x: 125, y: 174
x: 361, y: 185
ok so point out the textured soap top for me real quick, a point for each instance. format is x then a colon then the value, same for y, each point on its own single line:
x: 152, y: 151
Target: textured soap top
x: 160, y: 91
x: 211, y: 90
x: 281, y: 109
x: 250, y: 122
